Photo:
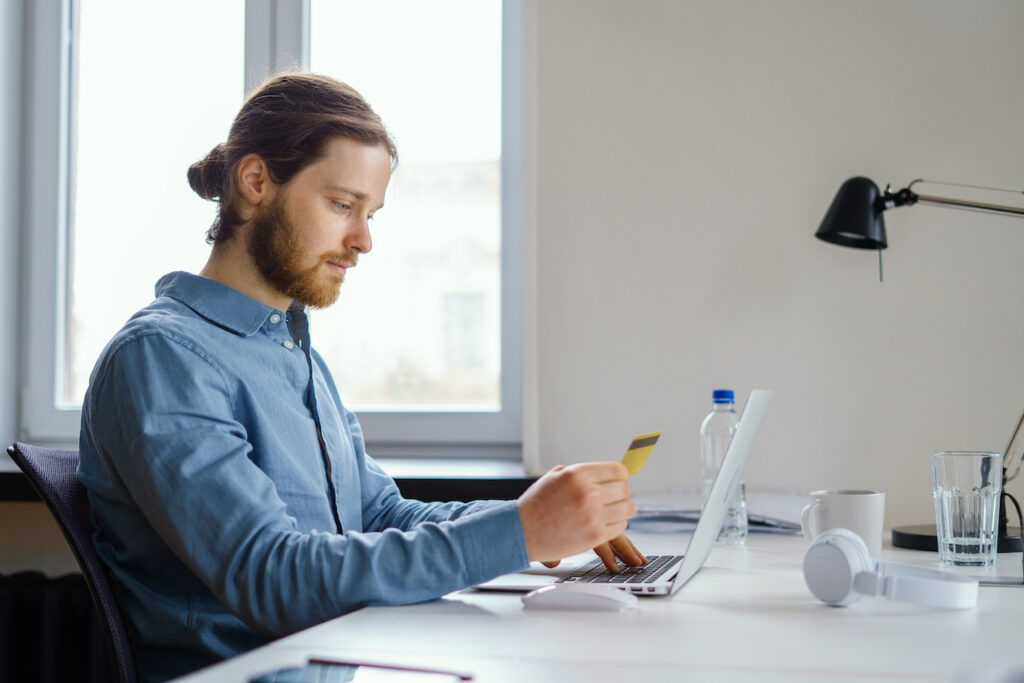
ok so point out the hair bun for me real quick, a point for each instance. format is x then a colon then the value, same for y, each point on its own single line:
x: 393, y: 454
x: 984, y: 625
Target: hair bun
x: 206, y: 177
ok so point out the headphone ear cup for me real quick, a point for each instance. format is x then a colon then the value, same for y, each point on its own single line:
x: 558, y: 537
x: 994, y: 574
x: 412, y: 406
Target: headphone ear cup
x: 832, y: 562
x: 863, y: 554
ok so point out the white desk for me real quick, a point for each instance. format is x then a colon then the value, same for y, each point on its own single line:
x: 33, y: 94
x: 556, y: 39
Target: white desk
x: 746, y: 616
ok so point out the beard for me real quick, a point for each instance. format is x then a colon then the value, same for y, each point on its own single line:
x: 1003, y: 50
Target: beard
x: 276, y: 247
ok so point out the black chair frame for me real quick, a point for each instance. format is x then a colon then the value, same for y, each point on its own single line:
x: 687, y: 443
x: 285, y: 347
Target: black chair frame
x: 53, y: 473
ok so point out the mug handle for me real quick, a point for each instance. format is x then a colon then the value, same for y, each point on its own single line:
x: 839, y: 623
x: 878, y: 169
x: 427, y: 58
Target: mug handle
x: 806, y: 523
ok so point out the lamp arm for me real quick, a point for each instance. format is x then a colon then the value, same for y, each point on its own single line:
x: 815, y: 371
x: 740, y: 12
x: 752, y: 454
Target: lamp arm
x: 971, y: 206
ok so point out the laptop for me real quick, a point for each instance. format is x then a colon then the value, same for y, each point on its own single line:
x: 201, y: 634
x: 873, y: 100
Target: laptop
x: 665, y: 574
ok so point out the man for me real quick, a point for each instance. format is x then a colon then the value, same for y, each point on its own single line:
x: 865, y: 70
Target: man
x: 232, y: 494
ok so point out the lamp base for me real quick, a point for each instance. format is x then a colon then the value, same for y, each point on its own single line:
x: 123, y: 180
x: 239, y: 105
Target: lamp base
x: 924, y: 537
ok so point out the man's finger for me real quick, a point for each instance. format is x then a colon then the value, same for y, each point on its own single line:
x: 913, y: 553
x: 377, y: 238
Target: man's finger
x: 607, y: 555
x: 552, y: 564
x: 619, y: 511
x: 626, y: 551
x: 613, y: 491
x: 601, y: 472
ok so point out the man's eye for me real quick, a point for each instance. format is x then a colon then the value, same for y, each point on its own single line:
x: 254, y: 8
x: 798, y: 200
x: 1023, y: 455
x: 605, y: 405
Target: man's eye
x: 341, y: 205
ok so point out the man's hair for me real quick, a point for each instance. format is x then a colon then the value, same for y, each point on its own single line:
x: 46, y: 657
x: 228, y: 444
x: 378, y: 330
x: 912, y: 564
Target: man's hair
x: 288, y: 121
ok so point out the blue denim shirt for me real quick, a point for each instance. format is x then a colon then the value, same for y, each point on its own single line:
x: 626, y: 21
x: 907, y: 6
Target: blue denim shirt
x: 217, y: 509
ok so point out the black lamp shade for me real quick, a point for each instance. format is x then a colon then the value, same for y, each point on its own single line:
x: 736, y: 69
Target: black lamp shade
x: 855, y: 217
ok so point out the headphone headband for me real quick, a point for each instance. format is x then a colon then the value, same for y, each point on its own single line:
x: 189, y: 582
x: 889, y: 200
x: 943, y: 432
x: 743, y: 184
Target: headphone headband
x: 919, y: 585
x: 838, y: 570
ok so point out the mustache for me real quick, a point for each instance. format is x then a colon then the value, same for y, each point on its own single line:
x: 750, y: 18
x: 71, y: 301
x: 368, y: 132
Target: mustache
x: 346, y: 259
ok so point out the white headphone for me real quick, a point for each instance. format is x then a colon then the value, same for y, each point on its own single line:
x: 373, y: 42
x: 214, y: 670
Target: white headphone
x: 839, y: 570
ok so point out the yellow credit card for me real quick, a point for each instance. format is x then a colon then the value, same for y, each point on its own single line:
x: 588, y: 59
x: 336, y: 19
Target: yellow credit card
x: 639, y: 449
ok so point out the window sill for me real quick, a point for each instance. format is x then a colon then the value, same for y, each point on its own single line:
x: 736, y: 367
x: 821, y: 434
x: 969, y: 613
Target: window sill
x: 428, y: 479
x: 462, y: 479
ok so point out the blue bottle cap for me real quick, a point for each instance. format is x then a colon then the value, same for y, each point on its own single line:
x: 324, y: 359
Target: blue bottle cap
x: 723, y: 396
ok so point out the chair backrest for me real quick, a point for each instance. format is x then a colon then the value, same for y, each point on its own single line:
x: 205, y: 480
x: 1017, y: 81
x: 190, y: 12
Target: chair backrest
x: 53, y: 474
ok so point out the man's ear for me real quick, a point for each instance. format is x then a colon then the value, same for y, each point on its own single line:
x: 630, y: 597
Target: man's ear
x: 254, y: 184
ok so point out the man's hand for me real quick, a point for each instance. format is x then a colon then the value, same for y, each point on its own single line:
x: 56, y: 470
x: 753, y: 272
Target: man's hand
x: 573, y: 509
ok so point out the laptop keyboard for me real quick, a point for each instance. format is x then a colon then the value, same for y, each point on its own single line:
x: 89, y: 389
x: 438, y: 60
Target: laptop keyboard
x: 596, y: 572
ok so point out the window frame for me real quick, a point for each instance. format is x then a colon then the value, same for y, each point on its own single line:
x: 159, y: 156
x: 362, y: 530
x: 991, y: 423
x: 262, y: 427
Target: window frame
x: 276, y: 38
x: 44, y: 235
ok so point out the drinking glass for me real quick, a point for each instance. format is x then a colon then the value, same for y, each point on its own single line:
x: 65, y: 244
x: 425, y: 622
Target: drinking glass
x: 967, y: 487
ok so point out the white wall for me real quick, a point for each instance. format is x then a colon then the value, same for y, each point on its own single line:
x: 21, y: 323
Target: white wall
x: 685, y: 154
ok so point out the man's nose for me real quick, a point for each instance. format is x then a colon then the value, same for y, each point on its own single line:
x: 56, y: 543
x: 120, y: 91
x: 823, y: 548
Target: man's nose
x: 359, y: 239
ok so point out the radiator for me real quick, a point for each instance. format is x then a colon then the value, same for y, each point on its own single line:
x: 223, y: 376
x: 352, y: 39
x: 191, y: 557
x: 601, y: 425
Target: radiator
x: 49, y: 632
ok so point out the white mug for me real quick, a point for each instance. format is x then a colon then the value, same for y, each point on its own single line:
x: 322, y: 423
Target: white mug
x: 862, y: 512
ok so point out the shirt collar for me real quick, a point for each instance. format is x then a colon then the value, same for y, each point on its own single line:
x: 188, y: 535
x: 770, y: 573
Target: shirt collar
x: 218, y: 303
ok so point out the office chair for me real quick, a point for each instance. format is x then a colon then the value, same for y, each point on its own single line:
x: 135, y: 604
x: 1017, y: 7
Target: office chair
x: 53, y: 474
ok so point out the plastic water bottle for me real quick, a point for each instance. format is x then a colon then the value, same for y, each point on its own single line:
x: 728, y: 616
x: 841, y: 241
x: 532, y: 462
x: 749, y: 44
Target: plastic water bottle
x: 716, y: 434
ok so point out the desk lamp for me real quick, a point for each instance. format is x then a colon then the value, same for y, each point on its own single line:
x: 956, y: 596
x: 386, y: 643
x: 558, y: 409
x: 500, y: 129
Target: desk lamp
x: 855, y: 220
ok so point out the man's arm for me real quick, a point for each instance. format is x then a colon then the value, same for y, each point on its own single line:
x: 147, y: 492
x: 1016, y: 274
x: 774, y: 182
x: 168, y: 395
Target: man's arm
x: 165, y: 420
x: 382, y: 502
x: 548, y: 510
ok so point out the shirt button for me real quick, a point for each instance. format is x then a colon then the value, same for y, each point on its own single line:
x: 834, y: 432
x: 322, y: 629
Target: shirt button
x: 288, y: 344
x: 275, y: 318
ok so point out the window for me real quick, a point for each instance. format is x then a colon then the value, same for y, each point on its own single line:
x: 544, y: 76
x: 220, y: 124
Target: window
x: 136, y: 126
x: 438, y: 238
x: 425, y: 339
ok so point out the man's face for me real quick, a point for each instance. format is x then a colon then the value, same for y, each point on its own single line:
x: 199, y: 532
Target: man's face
x: 317, y: 224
